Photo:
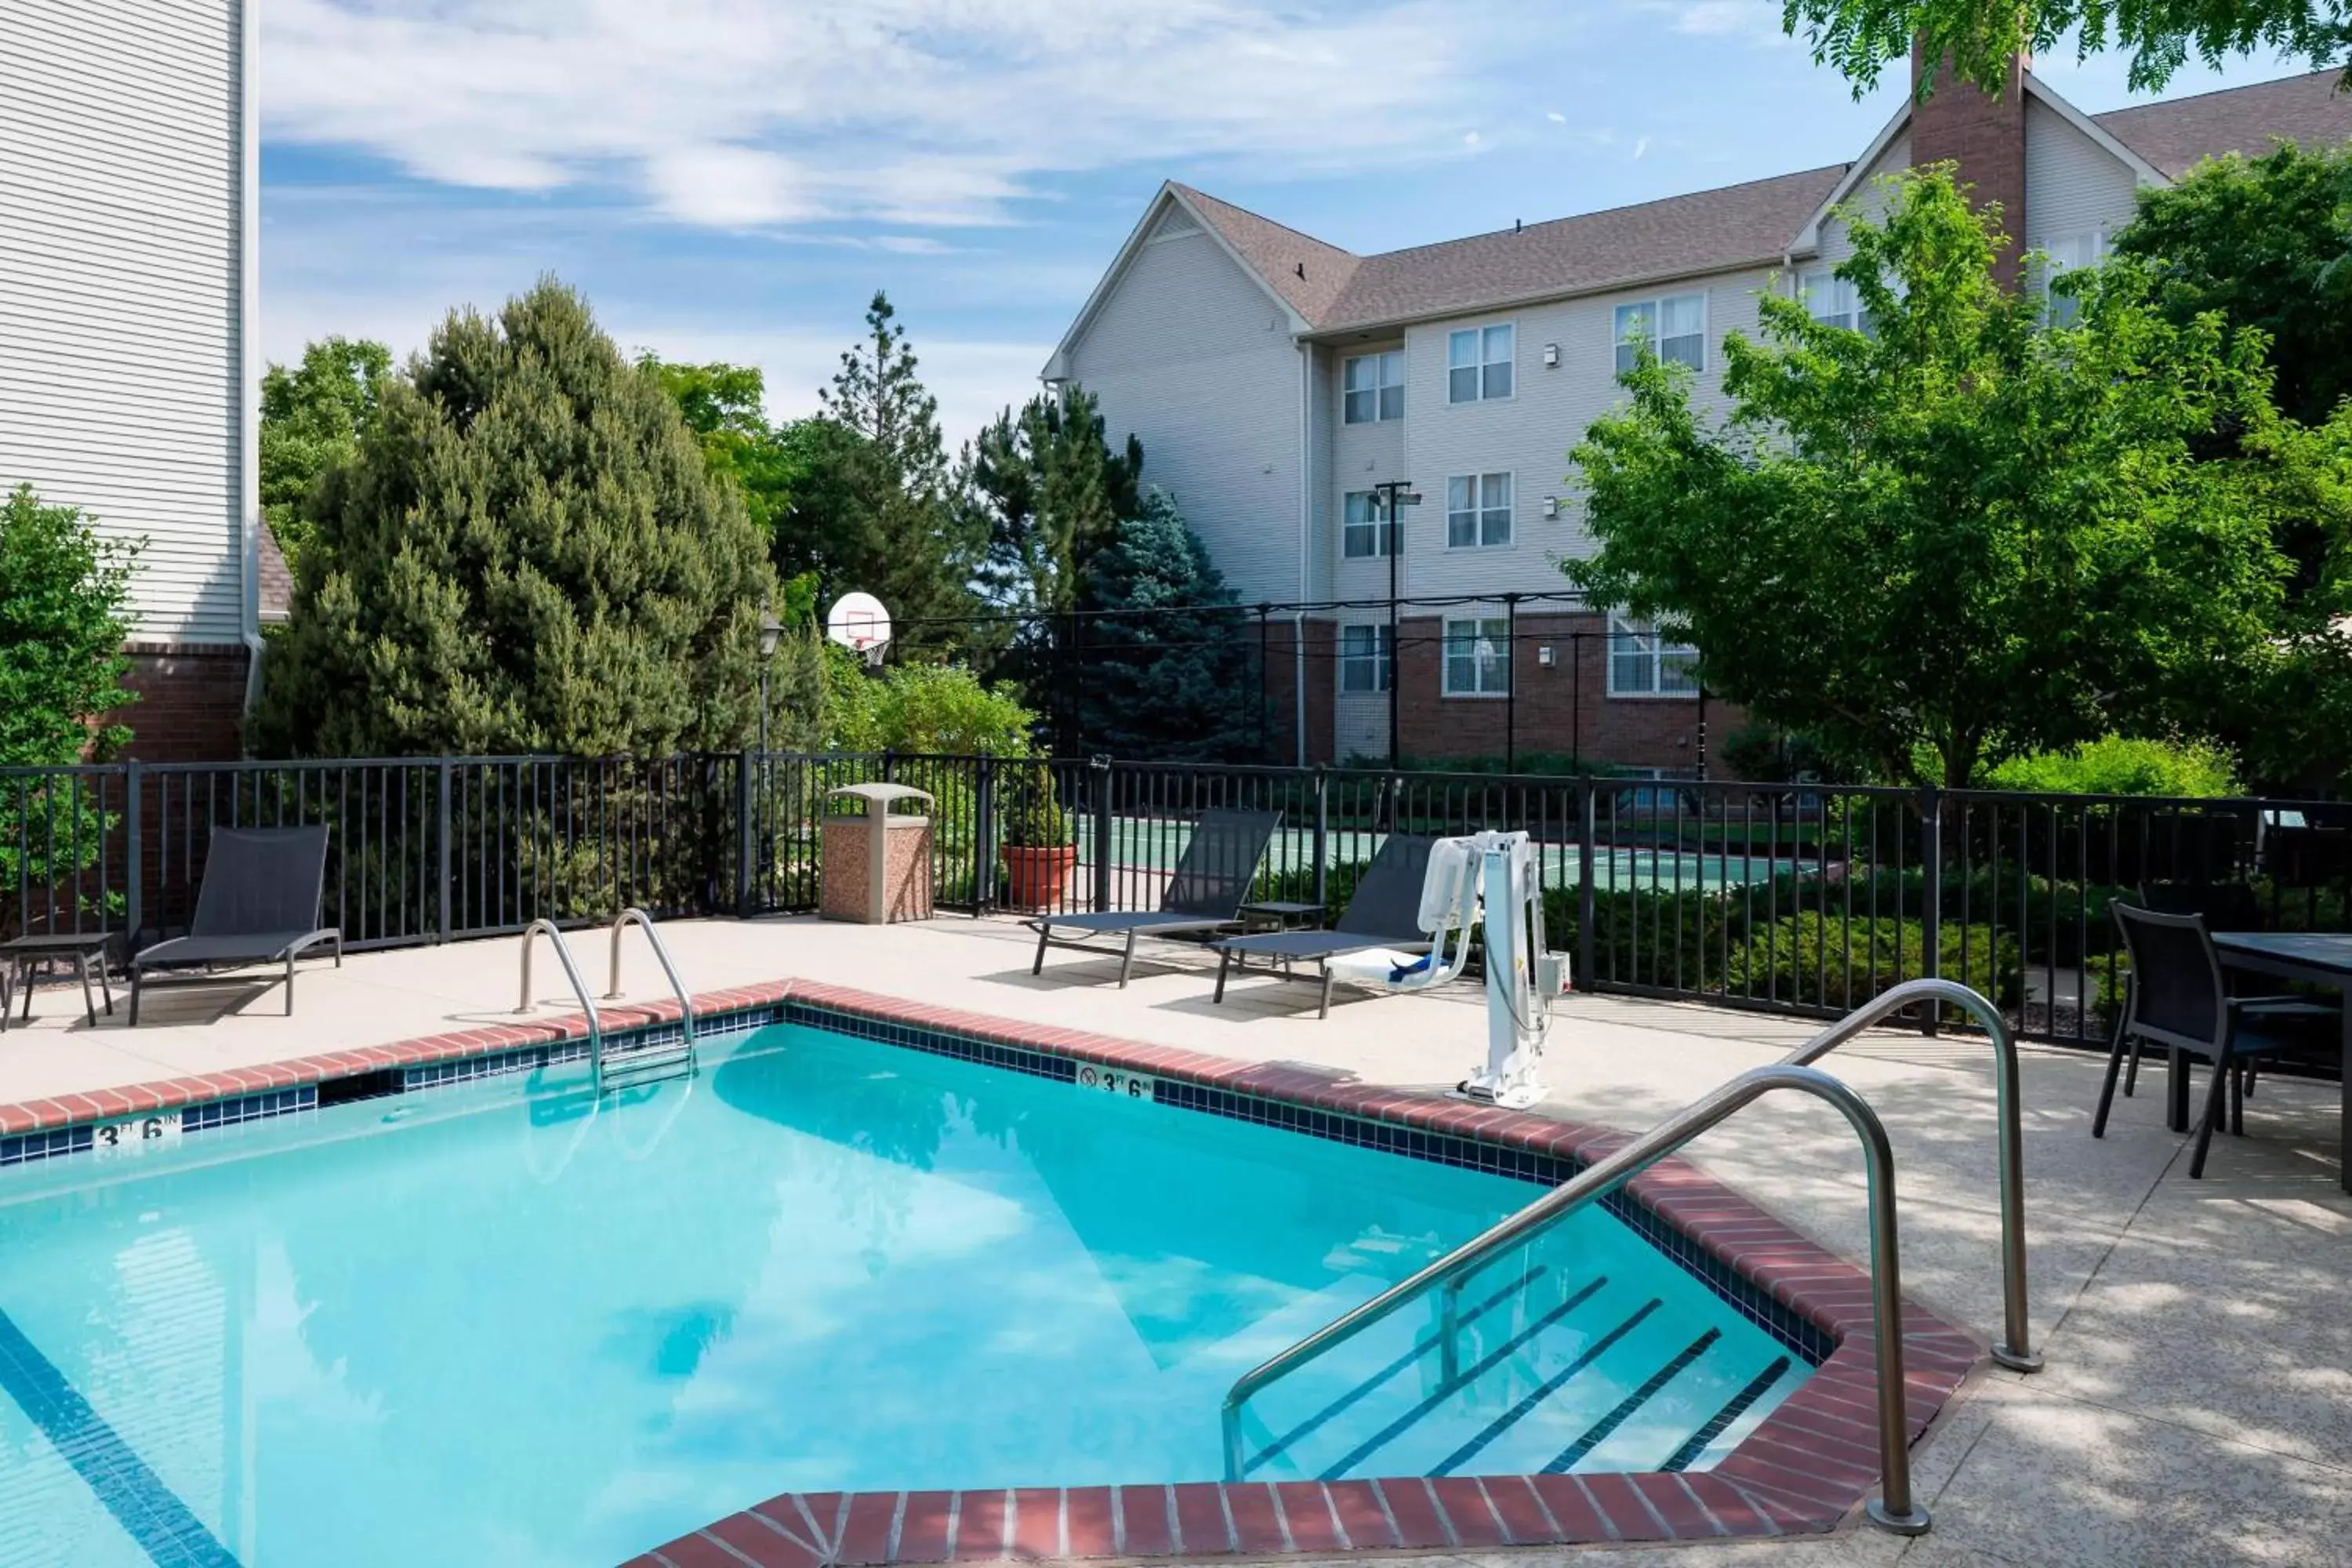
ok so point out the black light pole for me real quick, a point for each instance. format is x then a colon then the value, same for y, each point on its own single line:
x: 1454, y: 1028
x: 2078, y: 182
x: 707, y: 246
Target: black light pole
x: 1393, y: 493
x: 771, y: 632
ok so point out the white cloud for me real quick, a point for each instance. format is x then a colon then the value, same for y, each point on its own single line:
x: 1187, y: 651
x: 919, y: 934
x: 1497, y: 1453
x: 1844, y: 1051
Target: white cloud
x: 1555, y: 116
x: 1759, y: 20
x: 750, y: 113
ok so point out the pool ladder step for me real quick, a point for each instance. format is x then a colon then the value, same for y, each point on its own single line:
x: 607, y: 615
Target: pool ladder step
x: 654, y: 1062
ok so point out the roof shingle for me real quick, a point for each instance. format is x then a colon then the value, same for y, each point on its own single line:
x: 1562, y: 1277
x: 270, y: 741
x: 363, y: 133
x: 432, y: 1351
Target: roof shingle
x: 2174, y: 134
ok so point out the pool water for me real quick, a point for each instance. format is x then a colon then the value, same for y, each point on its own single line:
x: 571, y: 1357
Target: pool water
x: 496, y: 1322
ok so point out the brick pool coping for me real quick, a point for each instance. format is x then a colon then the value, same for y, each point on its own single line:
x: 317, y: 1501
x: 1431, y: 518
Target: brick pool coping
x: 1807, y: 1467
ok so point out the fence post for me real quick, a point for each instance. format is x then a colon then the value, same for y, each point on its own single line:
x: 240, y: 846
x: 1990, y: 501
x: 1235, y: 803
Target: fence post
x: 441, y: 789
x: 1587, y: 818
x: 746, y: 855
x: 1102, y: 775
x: 984, y: 836
x: 1931, y: 895
x: 134, y: 858
x: 1322, y: 830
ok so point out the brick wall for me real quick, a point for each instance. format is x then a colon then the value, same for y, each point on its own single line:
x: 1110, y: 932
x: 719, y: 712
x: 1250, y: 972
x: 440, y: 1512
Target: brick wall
x: 191, y: 702
x: 1564, y: 709
x: 1985, y: 135
x: 1281, y: 670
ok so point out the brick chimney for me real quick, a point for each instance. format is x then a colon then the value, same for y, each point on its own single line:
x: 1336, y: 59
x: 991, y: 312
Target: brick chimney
x: 1984, y: 133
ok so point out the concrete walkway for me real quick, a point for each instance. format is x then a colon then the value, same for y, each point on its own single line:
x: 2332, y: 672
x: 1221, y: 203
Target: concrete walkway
x: 2198, y: 1403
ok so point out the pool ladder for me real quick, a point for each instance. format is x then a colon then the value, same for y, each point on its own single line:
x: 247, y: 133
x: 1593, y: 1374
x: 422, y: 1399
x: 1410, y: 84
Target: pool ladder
x: 616, y: 1070
x: 1893, y: 1509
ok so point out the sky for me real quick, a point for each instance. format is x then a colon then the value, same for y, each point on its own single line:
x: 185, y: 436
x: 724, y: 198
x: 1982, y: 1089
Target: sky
x: 733, y: 179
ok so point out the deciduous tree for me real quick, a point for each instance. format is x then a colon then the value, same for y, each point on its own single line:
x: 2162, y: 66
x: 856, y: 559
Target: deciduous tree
x: 64, y: 610
x: 1967, y: 530
x: 312, y: 419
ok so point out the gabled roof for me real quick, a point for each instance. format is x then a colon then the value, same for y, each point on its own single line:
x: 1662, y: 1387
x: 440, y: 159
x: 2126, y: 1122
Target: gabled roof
x: 2177, y: 132
x: 1307, y: 273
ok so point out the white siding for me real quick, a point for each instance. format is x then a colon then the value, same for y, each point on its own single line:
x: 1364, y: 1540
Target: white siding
x: 121, y: 286
x: 1191, y: 354
x: 1362, y: 456
x: 2074, y: 187
x: 1865, y: 197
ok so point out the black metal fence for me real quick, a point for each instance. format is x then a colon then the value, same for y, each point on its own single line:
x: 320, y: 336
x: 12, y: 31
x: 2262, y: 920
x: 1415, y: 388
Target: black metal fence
x: 1792, y: 897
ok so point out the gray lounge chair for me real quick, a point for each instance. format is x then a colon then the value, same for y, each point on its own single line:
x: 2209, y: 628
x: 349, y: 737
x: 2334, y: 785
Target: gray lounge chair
x: 1205, y: 894
x: 260, y: 902
x: 1383, y: 911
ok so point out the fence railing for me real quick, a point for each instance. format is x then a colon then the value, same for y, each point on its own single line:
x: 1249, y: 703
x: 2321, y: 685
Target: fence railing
x: 1804, y: 899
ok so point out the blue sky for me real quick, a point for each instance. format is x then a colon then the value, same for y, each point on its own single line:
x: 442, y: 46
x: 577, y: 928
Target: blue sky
x: 733, y: 179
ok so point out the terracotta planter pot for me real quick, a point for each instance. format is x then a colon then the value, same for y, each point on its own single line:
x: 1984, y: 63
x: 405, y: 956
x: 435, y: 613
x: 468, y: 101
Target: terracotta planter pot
x: 1035, y: 874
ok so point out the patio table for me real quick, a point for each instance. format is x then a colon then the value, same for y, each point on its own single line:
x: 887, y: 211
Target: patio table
x: 2312, y: 958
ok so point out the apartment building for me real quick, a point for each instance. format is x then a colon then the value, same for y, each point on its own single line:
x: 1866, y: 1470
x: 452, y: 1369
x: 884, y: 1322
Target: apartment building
x: 1280, y: 383
x: 128, y: 162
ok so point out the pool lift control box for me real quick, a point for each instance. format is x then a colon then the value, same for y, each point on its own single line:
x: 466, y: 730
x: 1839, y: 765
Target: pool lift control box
x: 1491, y: 878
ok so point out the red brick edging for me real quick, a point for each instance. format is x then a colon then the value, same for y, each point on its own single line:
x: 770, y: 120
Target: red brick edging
x: 1807, y: 1467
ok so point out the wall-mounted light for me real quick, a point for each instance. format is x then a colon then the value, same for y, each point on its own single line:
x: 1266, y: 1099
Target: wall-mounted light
x: 1551, y: 506
x: 1543, y: 657
x: 1552, y: 356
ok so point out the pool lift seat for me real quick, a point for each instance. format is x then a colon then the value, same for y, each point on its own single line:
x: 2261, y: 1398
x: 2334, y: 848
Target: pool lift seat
x: 614, y: 1071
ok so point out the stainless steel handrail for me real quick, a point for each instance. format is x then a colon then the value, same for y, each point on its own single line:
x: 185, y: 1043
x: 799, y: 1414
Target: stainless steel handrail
x: 579, y: 989
x: 1893, y: 1509
x: 637, y: 917
x: 2016, y: 1352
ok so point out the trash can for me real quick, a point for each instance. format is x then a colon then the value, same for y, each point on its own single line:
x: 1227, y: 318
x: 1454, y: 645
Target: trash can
x: 876, y: 865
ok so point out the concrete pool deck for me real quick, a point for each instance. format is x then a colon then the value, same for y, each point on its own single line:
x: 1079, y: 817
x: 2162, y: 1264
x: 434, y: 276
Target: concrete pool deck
x: 2198, y: 1403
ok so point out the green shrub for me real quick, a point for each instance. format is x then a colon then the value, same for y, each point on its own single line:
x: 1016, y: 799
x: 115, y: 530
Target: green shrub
x: 935, y: 709
x: 1811, y: 959
x: 2117, y: 765
x: 1034, y: 816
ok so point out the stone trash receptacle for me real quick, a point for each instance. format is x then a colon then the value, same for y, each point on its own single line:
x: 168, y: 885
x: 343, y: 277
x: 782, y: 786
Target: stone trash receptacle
x: 876, y: 863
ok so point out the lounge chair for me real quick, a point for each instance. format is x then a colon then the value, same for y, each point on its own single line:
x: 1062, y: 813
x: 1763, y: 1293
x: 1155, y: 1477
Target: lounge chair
x: 259, y: 903
x: 1211, y: 879
x: 1382, y: 913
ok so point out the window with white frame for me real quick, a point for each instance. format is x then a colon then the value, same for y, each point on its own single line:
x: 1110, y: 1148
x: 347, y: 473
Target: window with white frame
x: 2067, y: 255
x: 1643, y: 662
x: 1477, y: 658
x: 1478, y: 363
x: 1675, y: 328
x: 1366, y: 531
x: 1477, y: 511
x: 1834, y: 301
x: 1372, y: 387
x: 1367, y: 658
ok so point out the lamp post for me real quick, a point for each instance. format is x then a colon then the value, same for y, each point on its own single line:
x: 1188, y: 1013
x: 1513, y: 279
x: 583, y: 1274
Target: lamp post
x: 1394, y: 493
x: 771, y: 632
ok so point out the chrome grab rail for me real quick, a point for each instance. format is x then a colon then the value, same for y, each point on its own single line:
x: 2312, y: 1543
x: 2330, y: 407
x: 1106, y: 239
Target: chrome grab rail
x: 637, y: 917
x: 1893, y: 1509
x: 579, y: 989
x: 2017, y: 1352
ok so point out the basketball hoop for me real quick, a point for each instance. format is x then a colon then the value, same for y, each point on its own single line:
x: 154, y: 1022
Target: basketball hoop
x: 859, y: 622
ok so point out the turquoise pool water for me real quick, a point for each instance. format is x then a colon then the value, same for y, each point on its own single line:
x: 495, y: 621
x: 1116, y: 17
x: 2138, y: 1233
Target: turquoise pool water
x: 481, y: 1324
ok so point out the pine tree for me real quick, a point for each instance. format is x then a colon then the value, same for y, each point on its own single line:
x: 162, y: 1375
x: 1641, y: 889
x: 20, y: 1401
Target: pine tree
x: 1174, y: 682
x: 1053, y: 493
x: 526, y: 554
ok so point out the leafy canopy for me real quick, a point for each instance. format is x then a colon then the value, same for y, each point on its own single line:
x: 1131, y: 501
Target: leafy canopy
x: 726, y: 408
x: 64, y: 610
x: 1967, y: 530
x: 1858, y: 37
x: 525, y: 554
x: 312, y: 419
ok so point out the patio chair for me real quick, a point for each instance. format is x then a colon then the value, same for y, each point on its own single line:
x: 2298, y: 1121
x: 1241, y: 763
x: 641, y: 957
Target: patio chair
x: 2177, y: 999
x: 1205, y: 893
x: 259, y: 903
x: 2225, y: 906
x: 1382, y: 913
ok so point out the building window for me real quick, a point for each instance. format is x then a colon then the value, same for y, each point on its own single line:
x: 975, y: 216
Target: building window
x: 1374, y: 387
x: 1477, y: 511
x: 1675, y: 329
x: 1367, y: 658
x: 1832, y: 299
x: 1477, y: 658
x: 2066, y: 255
x: 1643, y: 663
x: 1366, y: 533
x: 1478, y: 365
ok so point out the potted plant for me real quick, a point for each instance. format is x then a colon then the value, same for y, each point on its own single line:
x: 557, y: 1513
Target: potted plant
x: 1039, y: 854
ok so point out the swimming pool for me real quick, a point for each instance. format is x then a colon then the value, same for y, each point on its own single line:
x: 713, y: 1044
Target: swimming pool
x: 496, y: 1322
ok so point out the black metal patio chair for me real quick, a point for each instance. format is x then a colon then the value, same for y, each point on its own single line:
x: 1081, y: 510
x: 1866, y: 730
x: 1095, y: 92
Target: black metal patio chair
x: 1383, y: 912
x: 1211, y: 879
x: 260, y: 902
x: 2226, y: 906
x: 2178, y: 999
